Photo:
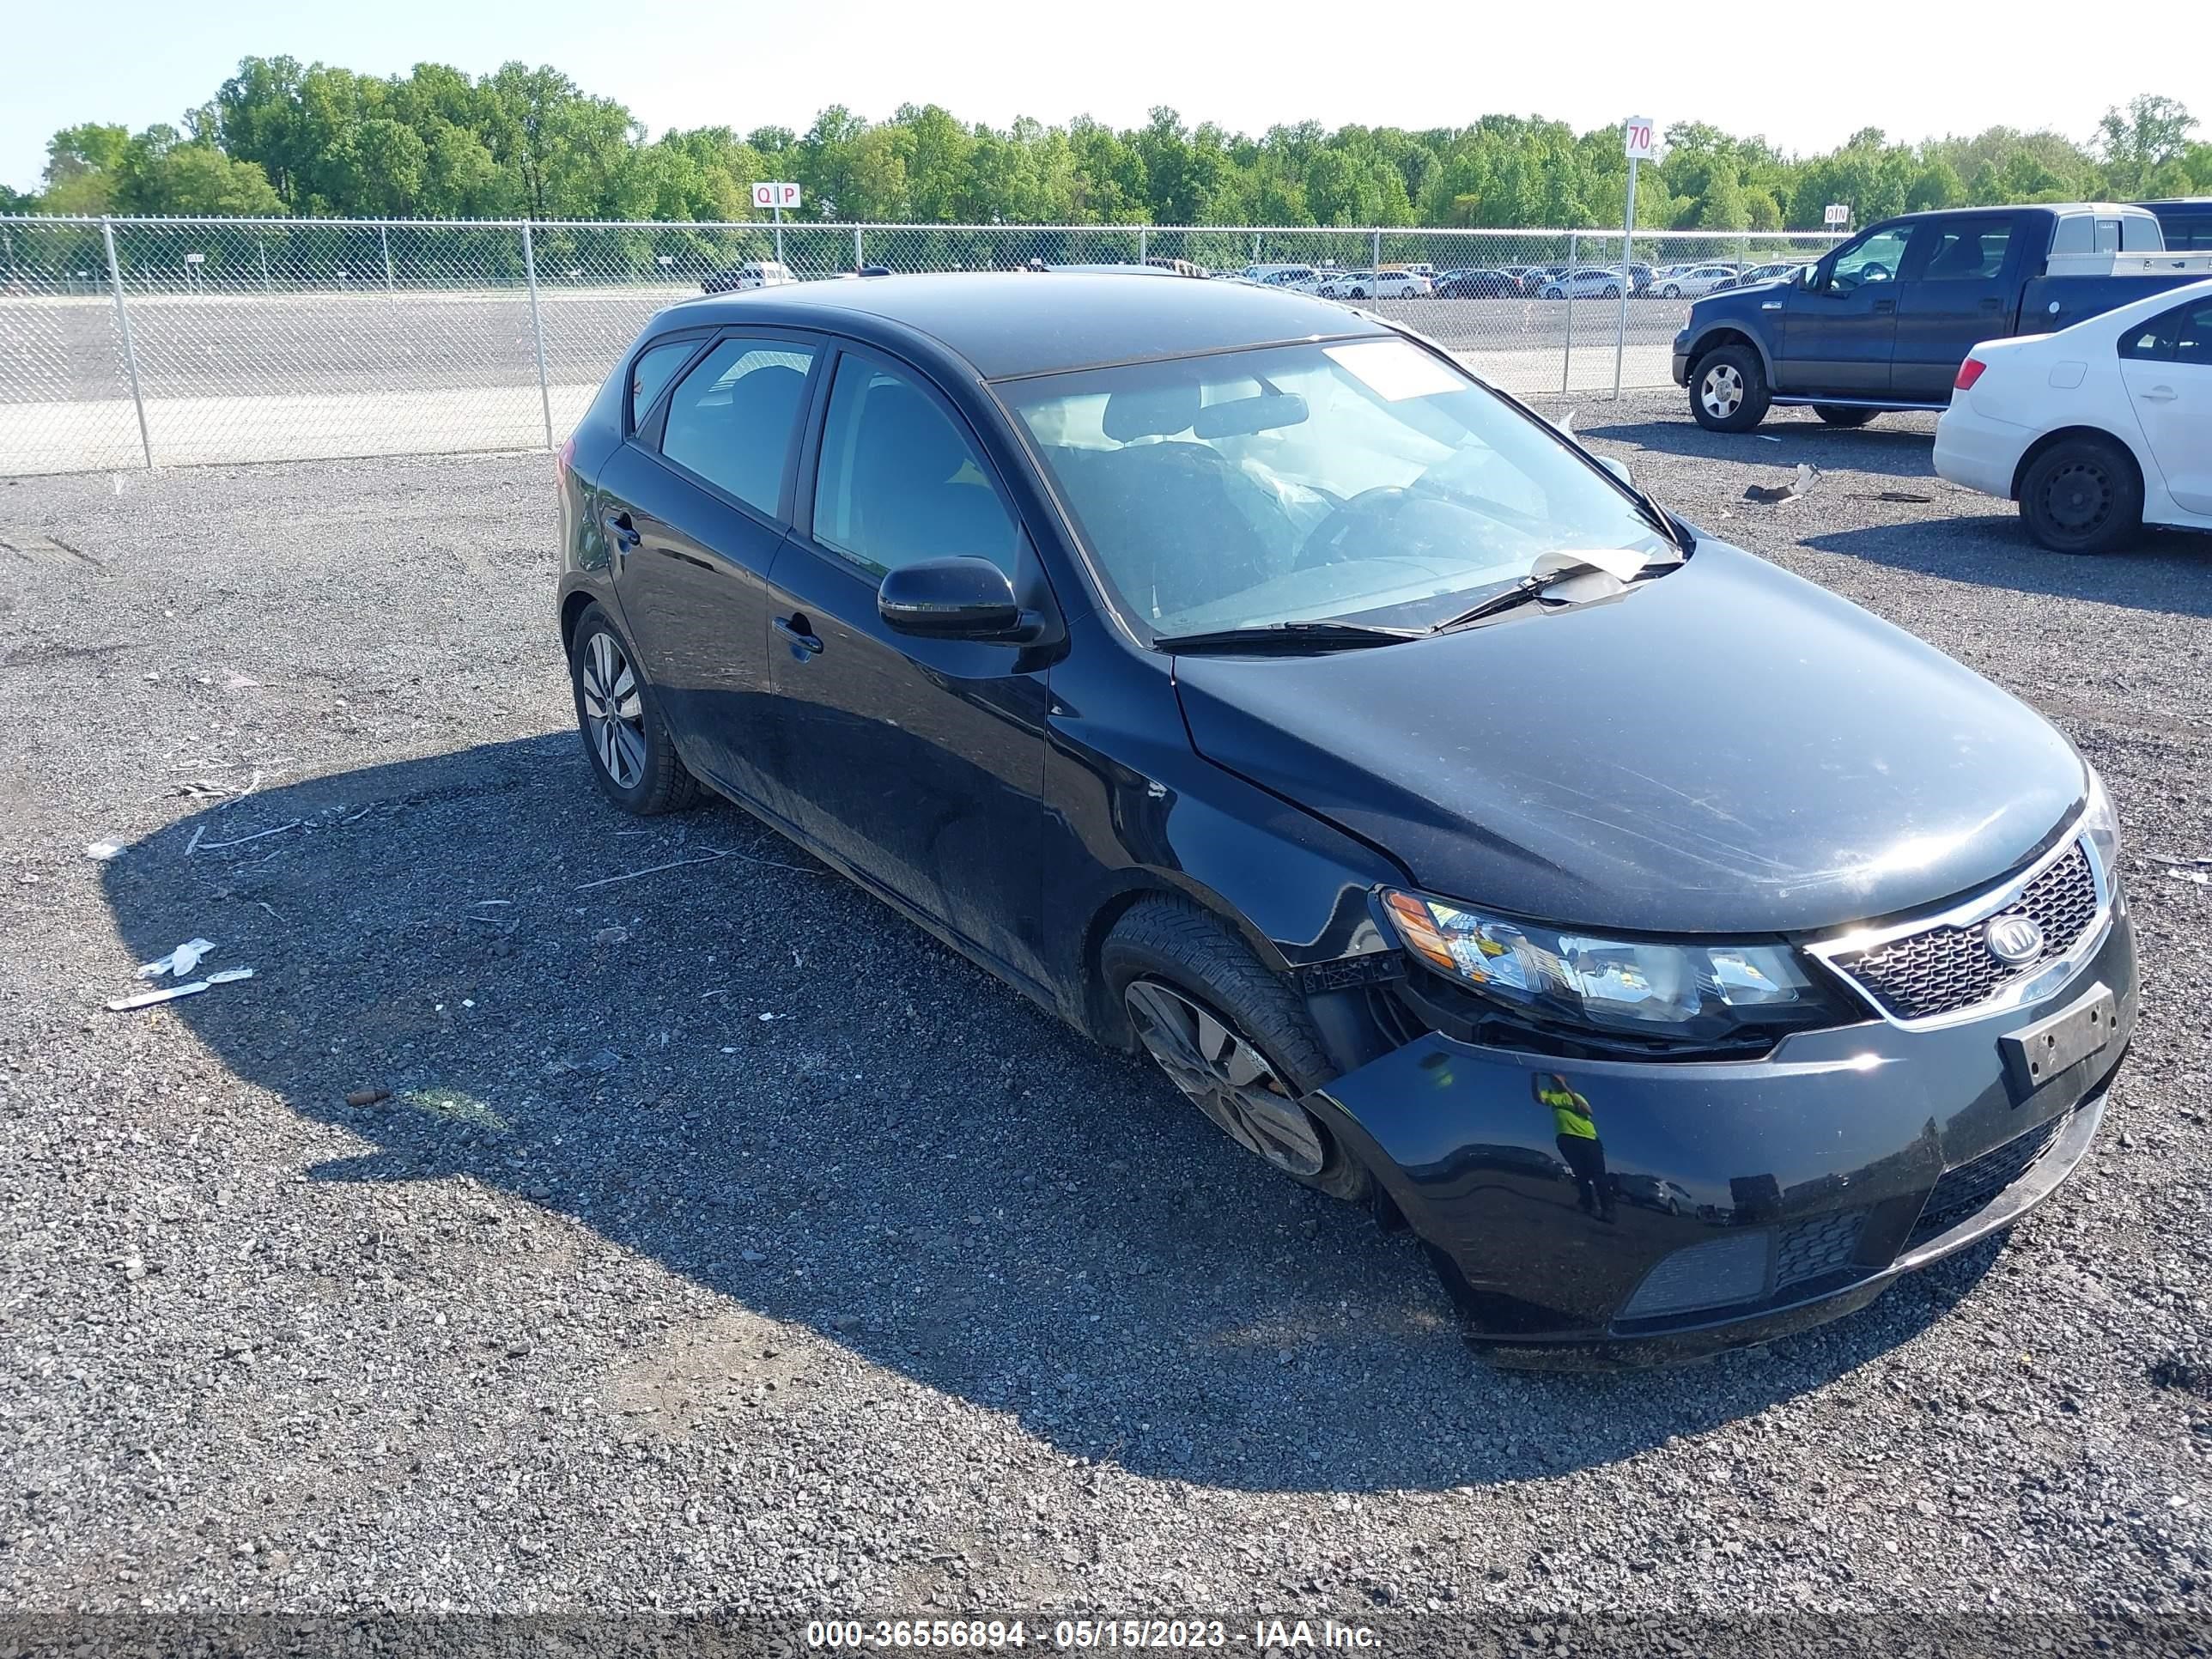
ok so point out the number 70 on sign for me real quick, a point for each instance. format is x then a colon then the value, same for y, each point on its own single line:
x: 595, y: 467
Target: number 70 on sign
x: 1637, y: 141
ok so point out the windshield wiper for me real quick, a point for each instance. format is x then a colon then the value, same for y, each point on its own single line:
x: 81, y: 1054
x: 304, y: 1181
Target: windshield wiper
x: 1298, y: 635
x: 1526, y: 589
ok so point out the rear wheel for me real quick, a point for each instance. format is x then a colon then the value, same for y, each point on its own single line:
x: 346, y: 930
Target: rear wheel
x: 1672, y: 291
x: 1611, y: 291
x: 1843, y: 414
x: 633, y: 761
x: 2081, y: 495
x: 1230, y: 1035
x: 1728, y: 391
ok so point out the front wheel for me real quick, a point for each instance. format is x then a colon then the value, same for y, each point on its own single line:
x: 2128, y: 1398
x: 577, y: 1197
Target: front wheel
x: 1232, y: 1038
x: 1611, y: 291
x: 1555, y: 293
x: 2081, y: 495
x: 1672, y: 291
x: 1844, y: 414
x: 1728, y: 391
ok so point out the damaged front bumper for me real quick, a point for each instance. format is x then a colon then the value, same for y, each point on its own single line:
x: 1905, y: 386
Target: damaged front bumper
x: 1725, y: 1202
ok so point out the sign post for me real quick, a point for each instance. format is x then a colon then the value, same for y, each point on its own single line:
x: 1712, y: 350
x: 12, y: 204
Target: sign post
x: 776, y: 195
x: 1636, y: 143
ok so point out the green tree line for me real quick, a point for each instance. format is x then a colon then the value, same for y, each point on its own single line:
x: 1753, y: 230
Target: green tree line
x: 281, y: 138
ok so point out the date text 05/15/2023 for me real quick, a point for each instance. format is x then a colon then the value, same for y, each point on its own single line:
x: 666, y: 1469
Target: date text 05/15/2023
x: 998, y: 1634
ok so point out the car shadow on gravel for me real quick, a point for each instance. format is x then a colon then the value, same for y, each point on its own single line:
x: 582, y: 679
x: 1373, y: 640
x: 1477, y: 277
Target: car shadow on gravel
x: 1896, y: 451
x: 743, y: 1070
x: 2168, y: 570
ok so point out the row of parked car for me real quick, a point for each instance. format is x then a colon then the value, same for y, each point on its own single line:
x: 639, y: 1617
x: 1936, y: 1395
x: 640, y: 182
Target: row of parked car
x: 1686, y: 281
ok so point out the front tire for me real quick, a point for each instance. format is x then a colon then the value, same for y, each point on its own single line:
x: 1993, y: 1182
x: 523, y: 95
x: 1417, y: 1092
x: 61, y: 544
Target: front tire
x: 1672, y: 291
x: 633, y: 759
x: 2082, y: 495
x: 1728, y: 391
x: 1232, y: 1038
x: 1844, y: 414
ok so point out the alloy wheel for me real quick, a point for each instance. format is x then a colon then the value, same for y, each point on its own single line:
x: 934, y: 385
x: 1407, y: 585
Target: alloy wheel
x: 1720, y: 391
x: 614, y: 713
x: 1225, y: 1077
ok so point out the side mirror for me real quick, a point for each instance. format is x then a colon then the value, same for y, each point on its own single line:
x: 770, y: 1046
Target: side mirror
x: 1618, y: 468
x: 957, y: 598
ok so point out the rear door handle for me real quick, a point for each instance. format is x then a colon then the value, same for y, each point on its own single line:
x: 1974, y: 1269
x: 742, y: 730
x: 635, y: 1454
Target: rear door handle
x: 1992, y: 305
x: 800, y: 635
x: 1882, y: 306
x: 620, y: 530
x: 2158, y: 394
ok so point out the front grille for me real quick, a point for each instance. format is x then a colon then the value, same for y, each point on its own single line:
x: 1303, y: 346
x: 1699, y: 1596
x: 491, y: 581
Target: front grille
x: 1975, y: 1183
x: 1942, y: 969
x: 1812, y: 1248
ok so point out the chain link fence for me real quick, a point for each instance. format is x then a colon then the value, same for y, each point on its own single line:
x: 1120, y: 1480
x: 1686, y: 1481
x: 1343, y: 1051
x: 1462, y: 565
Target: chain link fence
x: 137, y: 342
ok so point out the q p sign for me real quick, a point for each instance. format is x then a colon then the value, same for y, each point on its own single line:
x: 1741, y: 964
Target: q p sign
x: 776, y: 195
x: 1637, y: 141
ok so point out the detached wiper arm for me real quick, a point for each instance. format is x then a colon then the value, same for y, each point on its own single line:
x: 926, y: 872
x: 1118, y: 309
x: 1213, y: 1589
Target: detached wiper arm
x: 1304, y: 635
x: 1523, y: 591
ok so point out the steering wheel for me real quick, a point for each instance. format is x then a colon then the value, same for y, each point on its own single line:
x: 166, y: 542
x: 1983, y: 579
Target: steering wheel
x: 1874, y: 273
x: 1325, y: 545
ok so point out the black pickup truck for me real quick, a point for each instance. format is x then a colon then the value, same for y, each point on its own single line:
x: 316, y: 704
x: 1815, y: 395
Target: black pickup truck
x: 1883, y: 320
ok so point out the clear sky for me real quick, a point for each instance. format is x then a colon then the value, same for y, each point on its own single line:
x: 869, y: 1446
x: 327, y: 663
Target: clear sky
x: 1806, y: 73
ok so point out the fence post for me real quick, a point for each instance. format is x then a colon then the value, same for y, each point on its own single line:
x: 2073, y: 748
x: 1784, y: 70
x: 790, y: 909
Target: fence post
x: 1143, y: 243
x: 1567, y: 363
x: 130, y: 351
x: 384, y: 236
x: 858, y: 262
x: 538, y: 330
x: 1374, y: 265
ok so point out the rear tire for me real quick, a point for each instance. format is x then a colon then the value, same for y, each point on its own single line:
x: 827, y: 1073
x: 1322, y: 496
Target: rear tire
x: 1844, y: 414
x: 1728, y: 391
x: 633, y: 759
x: 2082, y: 495
x: 1232, y: 1038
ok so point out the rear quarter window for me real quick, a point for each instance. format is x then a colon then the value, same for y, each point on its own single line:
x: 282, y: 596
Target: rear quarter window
x: 650, y: 372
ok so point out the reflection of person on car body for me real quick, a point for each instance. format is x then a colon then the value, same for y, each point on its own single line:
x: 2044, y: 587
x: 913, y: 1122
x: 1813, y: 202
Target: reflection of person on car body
x: 1577, y: 1141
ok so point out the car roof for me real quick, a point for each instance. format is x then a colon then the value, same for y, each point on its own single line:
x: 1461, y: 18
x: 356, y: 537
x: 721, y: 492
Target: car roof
x: 1014, y: 322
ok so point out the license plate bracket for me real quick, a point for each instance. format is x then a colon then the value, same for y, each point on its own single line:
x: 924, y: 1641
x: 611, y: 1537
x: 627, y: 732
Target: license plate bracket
x: 2036, y: 1054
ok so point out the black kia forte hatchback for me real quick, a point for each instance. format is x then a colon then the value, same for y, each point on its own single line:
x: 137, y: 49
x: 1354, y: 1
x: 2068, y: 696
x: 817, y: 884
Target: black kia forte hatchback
x: 1682, y: 953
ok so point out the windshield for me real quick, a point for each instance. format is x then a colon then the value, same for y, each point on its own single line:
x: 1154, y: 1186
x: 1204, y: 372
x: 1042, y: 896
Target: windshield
x: 1366, y: 481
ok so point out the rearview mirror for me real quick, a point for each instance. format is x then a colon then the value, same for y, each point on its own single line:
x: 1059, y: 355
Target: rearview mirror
x: 957, y: 598
x: 1242, y: 416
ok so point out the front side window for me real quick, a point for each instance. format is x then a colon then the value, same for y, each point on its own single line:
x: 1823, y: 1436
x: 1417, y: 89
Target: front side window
x: 899, y: 482
x: 1367, y: 481
x: 733, y: 418
x: 1875, y: 260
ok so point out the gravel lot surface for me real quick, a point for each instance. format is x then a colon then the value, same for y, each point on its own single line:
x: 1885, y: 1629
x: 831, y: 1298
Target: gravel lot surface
x: 724, y: 1243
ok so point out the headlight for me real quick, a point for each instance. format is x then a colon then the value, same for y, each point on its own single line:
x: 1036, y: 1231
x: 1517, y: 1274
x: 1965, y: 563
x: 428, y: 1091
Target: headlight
x: 1632, y: 987
x: 2102, y: 825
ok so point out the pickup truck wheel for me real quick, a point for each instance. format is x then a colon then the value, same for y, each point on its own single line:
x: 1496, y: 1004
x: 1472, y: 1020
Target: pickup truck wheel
x: 1843, y: 414
x: 1728, y: 391
x: 2081, y: 495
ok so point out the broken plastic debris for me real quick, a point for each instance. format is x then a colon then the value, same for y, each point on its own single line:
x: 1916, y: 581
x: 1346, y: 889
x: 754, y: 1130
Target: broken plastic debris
x: 179, y: 961
x: 368, y: 1097
x: 2198, y: 876
x: 1796, y: 487
x: 101, y: 851
x: 150, y: 998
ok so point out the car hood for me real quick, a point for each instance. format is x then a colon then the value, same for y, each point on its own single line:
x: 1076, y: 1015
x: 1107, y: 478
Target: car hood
x: 1726, y: 748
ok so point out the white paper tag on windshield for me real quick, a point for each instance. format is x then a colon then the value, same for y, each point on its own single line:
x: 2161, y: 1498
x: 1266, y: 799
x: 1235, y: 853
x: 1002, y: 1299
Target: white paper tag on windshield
x: 1395, y: 371
x: 1622, y: 561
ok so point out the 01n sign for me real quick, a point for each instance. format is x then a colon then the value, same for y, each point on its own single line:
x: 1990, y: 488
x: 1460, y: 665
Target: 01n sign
x: 776, y: 195
x: 1636, y: 141
x: 1836, y: 212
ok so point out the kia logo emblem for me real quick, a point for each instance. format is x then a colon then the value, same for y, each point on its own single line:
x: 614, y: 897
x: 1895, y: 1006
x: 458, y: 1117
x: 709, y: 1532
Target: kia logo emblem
x: 2013, y: 939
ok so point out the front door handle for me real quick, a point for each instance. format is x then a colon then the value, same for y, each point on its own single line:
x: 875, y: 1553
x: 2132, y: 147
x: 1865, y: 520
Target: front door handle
x: 1883, y: 306
x: 1992, y: 305
x: 2158, y: 394
x: 800, y: 634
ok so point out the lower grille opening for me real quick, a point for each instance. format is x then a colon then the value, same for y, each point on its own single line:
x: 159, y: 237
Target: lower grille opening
x: 1974, y: 1185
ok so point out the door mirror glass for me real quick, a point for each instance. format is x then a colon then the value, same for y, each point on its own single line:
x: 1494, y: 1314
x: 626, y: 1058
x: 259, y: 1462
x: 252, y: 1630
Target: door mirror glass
x: 965, y: 598
x: 1618, y: 468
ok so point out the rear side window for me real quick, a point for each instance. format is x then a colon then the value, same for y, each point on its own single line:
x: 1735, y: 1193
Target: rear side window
x: 2183, y: 335
x: 898, y: 482
x: 733, y: 419
x: 654, y: 368
x: 1971, y: 252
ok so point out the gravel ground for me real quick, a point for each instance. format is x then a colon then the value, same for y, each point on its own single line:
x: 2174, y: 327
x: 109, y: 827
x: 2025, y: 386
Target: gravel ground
x: 725, y: 1243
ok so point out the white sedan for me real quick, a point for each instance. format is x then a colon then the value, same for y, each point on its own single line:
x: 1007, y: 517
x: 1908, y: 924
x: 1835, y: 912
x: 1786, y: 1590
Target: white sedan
x: 1693, y: 281
x: 2096, y: 430
x: 1368, y: 285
